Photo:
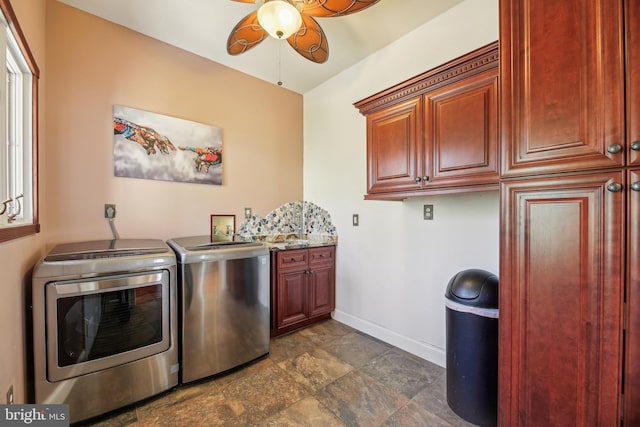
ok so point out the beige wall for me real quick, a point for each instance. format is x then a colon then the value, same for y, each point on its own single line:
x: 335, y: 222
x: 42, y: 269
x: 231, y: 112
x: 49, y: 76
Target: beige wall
x: 92, y: 64
x: 17, y: 257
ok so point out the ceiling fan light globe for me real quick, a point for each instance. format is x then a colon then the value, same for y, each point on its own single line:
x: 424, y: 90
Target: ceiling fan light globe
x: 279, y: 18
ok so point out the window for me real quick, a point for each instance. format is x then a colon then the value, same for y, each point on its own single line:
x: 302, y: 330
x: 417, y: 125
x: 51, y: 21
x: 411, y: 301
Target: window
x: 19, y: 133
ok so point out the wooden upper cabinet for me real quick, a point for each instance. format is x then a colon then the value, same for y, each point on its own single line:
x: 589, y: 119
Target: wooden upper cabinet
x: 461, y: 133
x: 632, y: 25
x: 562, y: 91
x: 393, y: 138
x: 561, y: 292
x: 437, y: 132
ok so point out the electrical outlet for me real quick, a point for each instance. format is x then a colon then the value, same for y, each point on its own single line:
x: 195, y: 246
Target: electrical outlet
x: 10, y: 395
x: 109, y: 210
x: 247, y: 213
x: 427, y: 212
x: 356, y: 220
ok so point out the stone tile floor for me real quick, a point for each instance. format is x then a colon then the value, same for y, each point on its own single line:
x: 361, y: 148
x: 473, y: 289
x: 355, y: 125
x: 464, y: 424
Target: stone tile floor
x: 326, y: 375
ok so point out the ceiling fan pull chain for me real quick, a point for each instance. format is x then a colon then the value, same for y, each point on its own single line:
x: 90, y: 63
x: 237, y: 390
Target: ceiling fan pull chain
x: 279, y: 64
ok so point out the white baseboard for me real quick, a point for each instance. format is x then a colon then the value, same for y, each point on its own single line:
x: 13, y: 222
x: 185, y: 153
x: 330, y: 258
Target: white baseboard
x: 428, y: 352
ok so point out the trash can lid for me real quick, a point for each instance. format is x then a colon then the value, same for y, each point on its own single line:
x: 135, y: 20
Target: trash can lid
x: 474, y: 287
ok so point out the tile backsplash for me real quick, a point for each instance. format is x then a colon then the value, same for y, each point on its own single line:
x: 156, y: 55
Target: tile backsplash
x: 293, y: 220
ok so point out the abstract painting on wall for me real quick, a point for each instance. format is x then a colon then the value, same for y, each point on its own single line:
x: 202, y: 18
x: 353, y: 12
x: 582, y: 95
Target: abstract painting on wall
x: 154, y: 146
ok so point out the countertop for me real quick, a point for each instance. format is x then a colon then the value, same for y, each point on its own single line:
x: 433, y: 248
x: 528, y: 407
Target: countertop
x: 285, y: 246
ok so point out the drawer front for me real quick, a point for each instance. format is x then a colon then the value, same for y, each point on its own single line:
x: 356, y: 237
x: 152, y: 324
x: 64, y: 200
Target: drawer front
x: 322, y: 255
x: 293, y: 258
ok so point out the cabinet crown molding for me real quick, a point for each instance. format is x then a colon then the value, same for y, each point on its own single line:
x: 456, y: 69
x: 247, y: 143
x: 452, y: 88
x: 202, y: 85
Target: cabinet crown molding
x: 472, y: 63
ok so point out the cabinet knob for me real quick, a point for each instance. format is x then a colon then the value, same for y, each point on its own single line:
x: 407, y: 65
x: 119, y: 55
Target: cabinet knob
x: 614, y: 148
x: 635, y: 145
x: 425, y: 178
x: 418, y: 179
x: 614, y: 187
x: 635, y: 186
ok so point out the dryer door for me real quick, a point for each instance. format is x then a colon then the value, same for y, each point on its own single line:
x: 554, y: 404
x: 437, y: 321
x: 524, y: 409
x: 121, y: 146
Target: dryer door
x: 104, y: 322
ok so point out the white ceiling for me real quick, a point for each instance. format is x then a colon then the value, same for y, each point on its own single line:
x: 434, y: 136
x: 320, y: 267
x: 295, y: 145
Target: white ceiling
x: 202, y: 27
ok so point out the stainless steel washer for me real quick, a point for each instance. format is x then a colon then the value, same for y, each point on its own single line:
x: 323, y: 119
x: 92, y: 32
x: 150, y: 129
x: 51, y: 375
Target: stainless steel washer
x: 104, y: 324
x: 225, y: 304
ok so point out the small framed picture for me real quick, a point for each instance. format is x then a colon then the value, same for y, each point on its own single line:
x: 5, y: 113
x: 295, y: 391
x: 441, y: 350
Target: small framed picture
x: 223, y: 228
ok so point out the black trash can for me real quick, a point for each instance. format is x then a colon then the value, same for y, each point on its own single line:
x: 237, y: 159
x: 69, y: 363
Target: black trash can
x: 472, y: 346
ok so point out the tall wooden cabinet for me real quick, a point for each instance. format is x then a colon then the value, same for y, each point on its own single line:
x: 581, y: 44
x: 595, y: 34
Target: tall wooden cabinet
x: 631, y: 390
x: 562, y: 92
x: 561, y: 289
x: 570, y: 193
x: 632, y: 25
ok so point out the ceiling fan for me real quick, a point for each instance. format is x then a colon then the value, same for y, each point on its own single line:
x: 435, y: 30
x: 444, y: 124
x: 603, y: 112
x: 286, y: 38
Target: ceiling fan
x: 291, y: 20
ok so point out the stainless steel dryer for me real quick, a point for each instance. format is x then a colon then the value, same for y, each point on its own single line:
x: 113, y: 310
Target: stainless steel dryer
x: 225, y: 304
x: 104, y: 324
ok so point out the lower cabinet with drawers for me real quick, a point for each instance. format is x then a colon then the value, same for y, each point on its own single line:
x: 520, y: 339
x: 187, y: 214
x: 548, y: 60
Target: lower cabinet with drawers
x: 302, y: 287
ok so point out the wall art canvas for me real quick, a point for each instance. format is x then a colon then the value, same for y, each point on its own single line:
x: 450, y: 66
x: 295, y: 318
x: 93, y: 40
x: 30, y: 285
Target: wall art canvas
x: 154, y: 146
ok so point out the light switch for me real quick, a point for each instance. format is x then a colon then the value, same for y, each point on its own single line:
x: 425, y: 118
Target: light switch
x: 356, y: 220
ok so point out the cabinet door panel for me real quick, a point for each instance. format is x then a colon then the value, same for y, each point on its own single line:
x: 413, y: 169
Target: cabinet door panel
x: 563, y: 85
x: 321, y: 290
x: 292, y: 297
x: 461, y: 123
x: 633, y: 79
x: 632, y: 368
x: 393, y: 148
x: 560, y: 301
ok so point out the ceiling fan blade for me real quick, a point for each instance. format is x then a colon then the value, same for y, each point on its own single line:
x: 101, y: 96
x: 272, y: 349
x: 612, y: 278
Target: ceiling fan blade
x: 310, y: 41
x: 329, y: 8
x: 246, y: 34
